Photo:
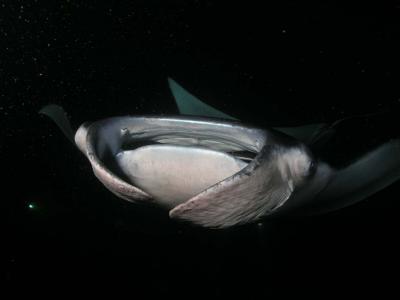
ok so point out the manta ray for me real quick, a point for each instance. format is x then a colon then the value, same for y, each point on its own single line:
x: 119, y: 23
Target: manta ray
x: 208, y: 168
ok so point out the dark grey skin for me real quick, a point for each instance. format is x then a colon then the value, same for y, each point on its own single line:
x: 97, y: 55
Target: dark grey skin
x: 277, y: 172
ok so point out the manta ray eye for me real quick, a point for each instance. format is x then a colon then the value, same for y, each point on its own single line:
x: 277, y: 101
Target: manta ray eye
x: 312, y: 168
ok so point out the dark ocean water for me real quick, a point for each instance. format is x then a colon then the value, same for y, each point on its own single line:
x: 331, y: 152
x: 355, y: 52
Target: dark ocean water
x: 280, y: 64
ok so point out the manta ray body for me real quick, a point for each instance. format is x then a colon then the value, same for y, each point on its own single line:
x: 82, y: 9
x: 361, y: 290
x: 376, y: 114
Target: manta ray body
x: 215, y: 171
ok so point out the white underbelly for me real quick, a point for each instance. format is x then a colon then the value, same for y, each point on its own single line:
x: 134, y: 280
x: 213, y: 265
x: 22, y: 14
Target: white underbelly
x: 173, y: 174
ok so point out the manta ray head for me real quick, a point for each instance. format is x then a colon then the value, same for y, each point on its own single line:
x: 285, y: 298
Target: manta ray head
x: 166, y: 160
x: 211, y: 172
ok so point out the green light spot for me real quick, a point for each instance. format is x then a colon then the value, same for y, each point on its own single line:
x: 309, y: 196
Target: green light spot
x: 31, y: 205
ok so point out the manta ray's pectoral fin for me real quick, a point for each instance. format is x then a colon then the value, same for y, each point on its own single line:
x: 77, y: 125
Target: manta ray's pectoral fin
x: 366, y: 176
x: 248, y: 195
x: 58, y: 115
x: 190, y: 105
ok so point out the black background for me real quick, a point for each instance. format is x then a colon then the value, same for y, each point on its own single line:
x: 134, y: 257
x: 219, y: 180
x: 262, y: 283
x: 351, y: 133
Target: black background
x: 269, y: 64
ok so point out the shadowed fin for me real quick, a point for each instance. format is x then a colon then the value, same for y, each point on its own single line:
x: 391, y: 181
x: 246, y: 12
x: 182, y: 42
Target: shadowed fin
x: 366, y: 176
x: 58, y: 115
x: 321, y: 138
x: 325, y: 132
x: 307, y: 133
x: 190, y: 105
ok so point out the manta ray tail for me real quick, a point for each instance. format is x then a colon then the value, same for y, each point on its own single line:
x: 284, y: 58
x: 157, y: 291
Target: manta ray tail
x: 366, y: 176
x: 58, y: 115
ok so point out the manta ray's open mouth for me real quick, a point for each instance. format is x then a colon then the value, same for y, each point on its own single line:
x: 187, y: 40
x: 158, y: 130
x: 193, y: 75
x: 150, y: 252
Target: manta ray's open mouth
x: 169, y: 159
x: 174, y: 166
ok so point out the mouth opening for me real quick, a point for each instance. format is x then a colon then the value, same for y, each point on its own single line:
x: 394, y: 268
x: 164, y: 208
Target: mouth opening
x: 172, y: 160
x: 173, y: 167
x: 225, y: 144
